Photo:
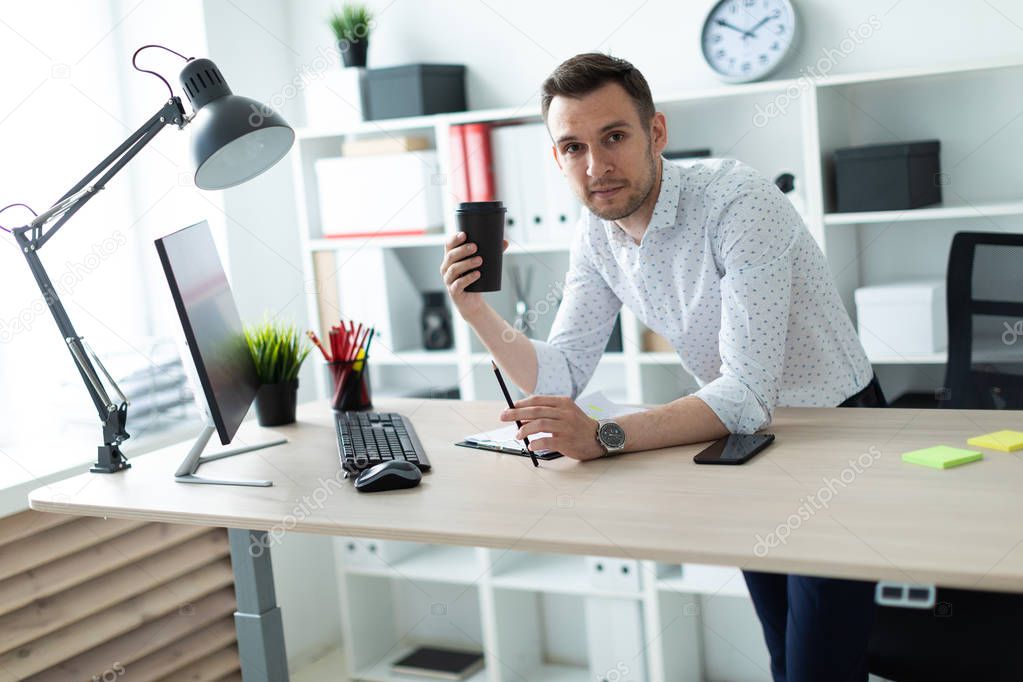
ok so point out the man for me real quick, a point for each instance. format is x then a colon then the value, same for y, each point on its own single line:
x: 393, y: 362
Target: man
x: 714, y: 258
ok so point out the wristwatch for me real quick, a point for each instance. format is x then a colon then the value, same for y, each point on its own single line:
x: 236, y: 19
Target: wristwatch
x: 611, y: 436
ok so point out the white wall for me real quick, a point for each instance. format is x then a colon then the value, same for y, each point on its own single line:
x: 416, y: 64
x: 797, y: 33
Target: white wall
x: 511, y: 45
x: 249, y: 42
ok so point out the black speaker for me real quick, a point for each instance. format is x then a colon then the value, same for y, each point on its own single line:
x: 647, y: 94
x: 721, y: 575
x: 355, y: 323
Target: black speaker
x: 436, y: 321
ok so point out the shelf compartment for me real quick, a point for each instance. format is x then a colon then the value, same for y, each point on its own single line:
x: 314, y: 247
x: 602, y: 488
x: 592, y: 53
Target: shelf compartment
x: 553, y: 573
x: 703, y: 579
x: 381, y: 671
x: 436, y: 563
x: 386, y: 617
x: 540, y: 637
x: 979, y: 161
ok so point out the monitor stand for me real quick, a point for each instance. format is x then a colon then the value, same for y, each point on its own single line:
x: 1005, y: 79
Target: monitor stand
x: 195, y: 458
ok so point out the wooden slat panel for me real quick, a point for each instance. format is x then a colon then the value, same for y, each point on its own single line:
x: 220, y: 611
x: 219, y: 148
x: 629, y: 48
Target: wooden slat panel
x: 144, y: 640
x: 104, y: 626
x: 208, y: 669
x: 74, y: 569
x: 233, y: 677
x: 26, y: 523
x: 49, y: 615
x: 328, y: 301
x: 183, y: 652
x: 62, y: 540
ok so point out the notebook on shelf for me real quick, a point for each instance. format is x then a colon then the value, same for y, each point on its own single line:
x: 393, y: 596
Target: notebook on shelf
x: 439, y: 663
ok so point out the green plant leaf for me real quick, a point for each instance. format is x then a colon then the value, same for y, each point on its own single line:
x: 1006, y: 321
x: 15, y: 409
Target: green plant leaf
x: 353, y: 23
x: 278, y: 350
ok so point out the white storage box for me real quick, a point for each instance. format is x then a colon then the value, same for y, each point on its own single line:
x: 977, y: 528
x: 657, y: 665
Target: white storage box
x: 380, y: 194
x: 902, y: 319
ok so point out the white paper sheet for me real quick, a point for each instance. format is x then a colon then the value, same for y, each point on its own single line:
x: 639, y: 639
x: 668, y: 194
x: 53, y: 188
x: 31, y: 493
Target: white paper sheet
x: 595, y: 404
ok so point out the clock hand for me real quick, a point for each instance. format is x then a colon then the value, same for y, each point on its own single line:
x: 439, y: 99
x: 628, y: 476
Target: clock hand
x: 722, y: 22
x: 759, y: 24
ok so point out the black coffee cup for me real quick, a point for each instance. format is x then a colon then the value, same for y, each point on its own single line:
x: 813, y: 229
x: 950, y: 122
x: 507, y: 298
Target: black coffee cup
x: 483, y: 224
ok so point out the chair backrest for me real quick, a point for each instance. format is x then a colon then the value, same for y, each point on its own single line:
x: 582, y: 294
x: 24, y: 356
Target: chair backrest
x: 985, y: 321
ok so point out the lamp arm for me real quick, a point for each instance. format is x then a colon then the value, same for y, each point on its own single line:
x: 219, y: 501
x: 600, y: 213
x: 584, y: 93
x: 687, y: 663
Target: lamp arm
x: 172, y: 113
x: 30, y: 238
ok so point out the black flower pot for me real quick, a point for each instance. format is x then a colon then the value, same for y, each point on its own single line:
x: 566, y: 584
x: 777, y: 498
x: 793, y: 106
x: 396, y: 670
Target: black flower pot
x: 275, y: 403
x: 353, y: 53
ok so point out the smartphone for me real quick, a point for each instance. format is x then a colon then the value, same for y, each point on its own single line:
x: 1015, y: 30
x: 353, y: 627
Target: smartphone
x: 734, y: 449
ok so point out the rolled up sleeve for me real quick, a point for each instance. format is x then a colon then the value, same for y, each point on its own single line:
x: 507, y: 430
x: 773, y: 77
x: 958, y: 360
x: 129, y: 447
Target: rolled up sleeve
x: 582, y: 325
x: 756, y: 254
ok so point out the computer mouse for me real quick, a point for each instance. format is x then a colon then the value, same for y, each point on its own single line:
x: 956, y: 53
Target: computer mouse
x: 393, y: 475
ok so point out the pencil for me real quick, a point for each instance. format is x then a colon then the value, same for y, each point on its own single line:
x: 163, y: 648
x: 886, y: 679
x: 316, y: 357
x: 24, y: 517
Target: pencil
x: 511, y: 405
x: 316, y: 342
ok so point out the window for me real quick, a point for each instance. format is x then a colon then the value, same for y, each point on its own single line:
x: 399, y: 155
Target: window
x: 72, y: 99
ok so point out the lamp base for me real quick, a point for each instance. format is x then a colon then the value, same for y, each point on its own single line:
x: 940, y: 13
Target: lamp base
x: 109, y: 460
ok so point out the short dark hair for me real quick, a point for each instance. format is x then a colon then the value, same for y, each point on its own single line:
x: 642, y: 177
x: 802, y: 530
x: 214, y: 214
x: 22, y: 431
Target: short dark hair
x: 582, y: 74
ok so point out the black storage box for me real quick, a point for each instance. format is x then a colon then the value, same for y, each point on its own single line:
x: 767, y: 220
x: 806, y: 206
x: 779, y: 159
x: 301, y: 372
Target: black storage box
x: 412, y: 90
x: 887, y: 177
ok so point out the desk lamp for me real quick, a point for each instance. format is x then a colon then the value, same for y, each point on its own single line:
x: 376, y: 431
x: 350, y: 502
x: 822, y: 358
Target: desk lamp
x: 234, y: 140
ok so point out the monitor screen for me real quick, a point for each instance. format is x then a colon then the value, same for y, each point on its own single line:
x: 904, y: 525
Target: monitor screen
x: 212, y: 326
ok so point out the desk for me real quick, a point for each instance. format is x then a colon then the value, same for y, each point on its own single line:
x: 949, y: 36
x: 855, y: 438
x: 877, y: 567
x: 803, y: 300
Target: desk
x: 831, y: 497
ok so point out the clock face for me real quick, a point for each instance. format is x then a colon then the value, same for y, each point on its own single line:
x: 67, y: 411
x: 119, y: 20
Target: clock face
x: 744, y: 40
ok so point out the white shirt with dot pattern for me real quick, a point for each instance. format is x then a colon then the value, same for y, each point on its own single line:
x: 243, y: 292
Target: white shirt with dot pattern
x: 729, y: 274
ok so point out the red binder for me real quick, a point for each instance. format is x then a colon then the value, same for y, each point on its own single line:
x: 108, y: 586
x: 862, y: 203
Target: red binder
x: 479, y: 161
x: 459, y: 171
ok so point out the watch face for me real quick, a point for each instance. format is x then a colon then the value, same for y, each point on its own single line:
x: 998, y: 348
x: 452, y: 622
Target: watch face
x: 744, y: 40
x: 612, y: 435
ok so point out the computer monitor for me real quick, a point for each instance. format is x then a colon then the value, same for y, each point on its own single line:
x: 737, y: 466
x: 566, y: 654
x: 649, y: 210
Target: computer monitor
x: 223, y: 366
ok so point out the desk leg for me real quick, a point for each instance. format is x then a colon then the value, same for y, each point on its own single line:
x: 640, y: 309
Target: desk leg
x: 258, y: 618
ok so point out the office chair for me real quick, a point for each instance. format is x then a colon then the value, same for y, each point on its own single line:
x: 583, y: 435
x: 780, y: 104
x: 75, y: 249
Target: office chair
x: 968, y: 635
x: 985, y: 322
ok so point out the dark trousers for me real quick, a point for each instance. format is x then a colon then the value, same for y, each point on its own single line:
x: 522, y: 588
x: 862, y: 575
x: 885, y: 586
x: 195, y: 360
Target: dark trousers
x: 817, y: 628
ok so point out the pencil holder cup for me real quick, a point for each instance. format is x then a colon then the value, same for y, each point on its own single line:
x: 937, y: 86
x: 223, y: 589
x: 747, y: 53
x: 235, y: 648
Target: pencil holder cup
x: 350, y: 390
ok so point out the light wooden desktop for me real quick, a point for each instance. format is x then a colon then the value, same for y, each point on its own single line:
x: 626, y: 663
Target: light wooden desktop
x: 882, y: 519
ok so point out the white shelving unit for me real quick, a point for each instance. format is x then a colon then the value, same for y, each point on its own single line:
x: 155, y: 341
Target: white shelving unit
x: 971, y: 108
x: 529, y: 611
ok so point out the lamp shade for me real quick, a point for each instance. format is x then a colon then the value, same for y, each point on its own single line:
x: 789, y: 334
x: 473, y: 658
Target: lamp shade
x: 234, y: 138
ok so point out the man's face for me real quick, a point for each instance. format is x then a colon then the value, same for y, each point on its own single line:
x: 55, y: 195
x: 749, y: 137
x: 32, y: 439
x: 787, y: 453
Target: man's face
x: 608, y: 156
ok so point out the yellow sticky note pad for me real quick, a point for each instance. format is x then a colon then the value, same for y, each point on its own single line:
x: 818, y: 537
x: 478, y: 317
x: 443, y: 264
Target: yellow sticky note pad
x: 1006, y: 441
x: 941, y: 457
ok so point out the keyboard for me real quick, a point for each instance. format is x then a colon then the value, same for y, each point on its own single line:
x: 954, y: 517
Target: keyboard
x: 368, y: 438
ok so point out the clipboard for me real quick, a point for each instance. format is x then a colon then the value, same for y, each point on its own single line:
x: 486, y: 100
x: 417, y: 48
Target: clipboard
x: 521, y: 452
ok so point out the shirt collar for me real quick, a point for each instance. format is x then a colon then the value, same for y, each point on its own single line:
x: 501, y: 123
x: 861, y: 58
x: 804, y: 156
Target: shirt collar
x: 665, y: 212
x: 666, y: 209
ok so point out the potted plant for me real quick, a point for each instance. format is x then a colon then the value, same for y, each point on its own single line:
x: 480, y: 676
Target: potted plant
x: 351, y: 28
x: 278, y: 350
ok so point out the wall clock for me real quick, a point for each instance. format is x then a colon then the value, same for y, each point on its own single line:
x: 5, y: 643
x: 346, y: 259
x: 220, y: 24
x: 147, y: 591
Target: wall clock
x: 745, y: 40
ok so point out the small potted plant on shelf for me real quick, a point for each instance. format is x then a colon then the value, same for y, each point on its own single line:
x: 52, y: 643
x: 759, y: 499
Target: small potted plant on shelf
x: 278, y: 350
x: 351, y: 28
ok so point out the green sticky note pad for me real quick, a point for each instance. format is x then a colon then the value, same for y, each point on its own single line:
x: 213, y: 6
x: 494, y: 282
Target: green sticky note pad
x: 1006, y: 441
x: 941, y: 457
